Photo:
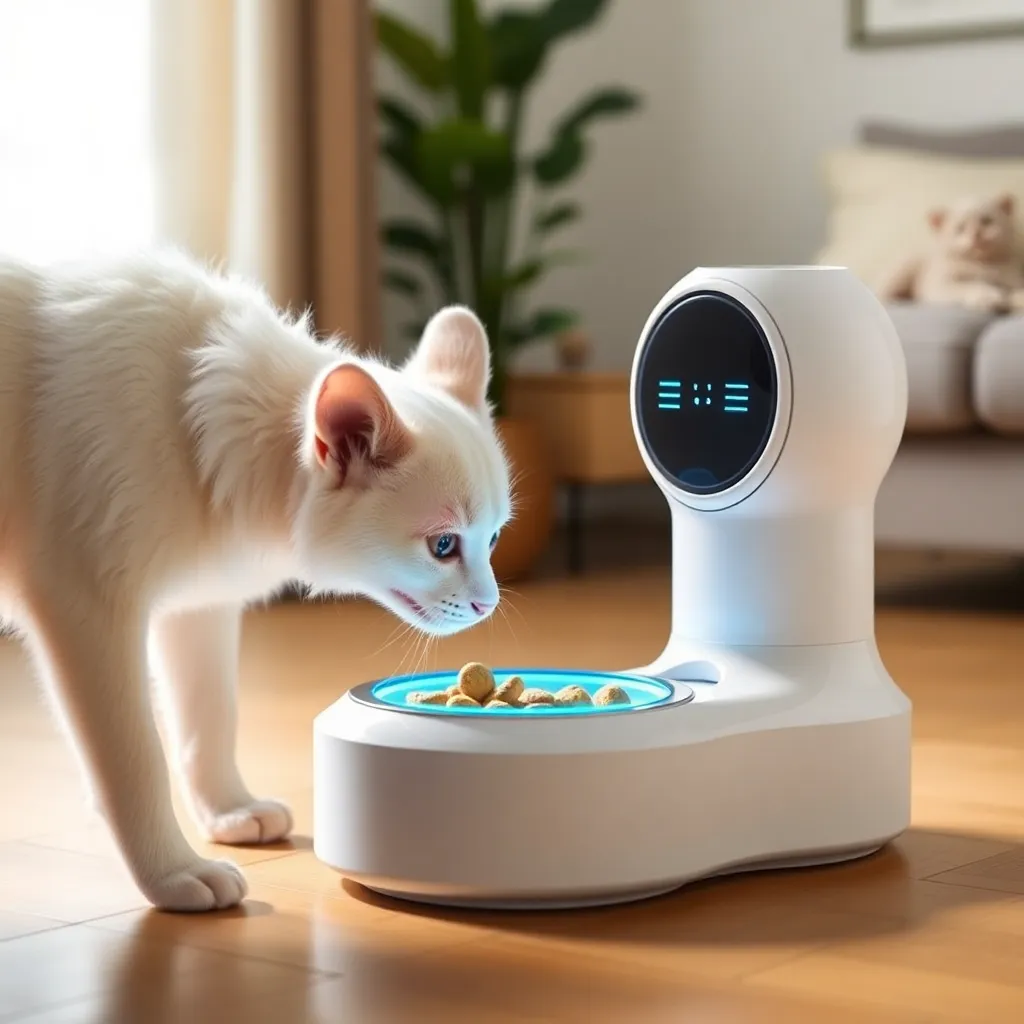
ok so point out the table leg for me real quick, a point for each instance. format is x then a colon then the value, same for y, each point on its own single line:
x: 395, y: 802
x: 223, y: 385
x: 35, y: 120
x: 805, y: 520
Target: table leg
x: 575, y: 527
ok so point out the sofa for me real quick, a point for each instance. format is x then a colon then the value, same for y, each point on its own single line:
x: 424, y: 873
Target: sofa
x: 958, y: 479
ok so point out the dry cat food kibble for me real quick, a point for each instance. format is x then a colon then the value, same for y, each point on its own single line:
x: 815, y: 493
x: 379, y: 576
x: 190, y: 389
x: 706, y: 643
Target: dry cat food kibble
x: 611, y: 694
x: 535, y: 695
x: 426, y: 697
x: 572, y: 696
x: 476, y: 680
x: 477, y: 688
x: 510, y: 691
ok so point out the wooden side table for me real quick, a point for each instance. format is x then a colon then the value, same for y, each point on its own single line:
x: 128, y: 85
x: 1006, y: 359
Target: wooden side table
x: 584, y: 419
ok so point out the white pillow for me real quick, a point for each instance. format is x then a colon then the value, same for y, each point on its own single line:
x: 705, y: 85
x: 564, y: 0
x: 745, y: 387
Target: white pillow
x: 879, y: 200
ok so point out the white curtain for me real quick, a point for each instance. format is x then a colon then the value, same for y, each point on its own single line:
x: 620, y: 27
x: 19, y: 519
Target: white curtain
x: 242, y: 130
x: 76, y: 173
x: 229, y: 136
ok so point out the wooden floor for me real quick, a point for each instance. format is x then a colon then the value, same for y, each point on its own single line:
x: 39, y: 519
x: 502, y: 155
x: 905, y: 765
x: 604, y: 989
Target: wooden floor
x: 929, y: 930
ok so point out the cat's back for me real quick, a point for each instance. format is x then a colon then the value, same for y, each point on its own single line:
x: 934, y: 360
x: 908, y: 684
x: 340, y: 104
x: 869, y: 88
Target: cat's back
x: 20, y: 286
x: 94, y: 360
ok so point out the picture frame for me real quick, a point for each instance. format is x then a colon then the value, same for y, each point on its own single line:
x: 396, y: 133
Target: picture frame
x: 883, y: 23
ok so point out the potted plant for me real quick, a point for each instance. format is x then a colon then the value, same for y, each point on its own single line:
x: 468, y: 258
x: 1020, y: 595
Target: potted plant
x: 465, y: 160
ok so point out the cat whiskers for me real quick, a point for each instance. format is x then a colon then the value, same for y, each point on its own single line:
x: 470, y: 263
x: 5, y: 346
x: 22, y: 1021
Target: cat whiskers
x: 399, y: 632
x: 506, y: 604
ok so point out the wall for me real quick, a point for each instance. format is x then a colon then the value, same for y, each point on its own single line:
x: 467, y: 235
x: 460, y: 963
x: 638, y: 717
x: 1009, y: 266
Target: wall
x: 742, y: 97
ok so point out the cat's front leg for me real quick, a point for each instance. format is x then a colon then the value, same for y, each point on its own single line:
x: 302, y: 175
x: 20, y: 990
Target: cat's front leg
x: 92, y: 655
x: 984, y: 296
x: 195, y: 655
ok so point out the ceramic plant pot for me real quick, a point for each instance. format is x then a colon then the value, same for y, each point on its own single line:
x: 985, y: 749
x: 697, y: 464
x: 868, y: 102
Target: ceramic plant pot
x: 526, y: 537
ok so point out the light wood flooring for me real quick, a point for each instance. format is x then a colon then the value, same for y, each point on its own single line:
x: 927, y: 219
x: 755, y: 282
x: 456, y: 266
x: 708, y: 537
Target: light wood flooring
x: 931, y: 929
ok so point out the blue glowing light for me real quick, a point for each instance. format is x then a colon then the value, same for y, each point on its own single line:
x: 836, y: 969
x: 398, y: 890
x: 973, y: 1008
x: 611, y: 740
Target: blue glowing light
x: 736, y: 401
x: 735, y: 394
x: 643, y: 692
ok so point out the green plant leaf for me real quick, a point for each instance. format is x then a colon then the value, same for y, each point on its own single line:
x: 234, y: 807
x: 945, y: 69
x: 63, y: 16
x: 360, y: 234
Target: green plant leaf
x: 408, y: 236
x: 609, y: 102
x: 563, y: 17
x: 519, y: 44
x: 413, y: 239
x: 556, y: 216
x: 542, y: 324
x: 470, y: 67
x: 561, y: 160
x: 401, y: 154
x: 402, y: 281
x: 416, y: 54
x: 451, y: 155
x: 522, y: 275
x: 402, y: 120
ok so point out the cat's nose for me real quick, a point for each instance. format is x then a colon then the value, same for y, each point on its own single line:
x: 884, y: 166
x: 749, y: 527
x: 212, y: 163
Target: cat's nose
x: 482, y: 607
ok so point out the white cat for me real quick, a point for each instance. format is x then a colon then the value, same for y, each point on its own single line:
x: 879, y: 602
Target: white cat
x: 972, y: 261
x: 172, y: 447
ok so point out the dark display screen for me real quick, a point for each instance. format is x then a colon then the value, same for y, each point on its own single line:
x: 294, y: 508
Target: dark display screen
x: 706, y: 393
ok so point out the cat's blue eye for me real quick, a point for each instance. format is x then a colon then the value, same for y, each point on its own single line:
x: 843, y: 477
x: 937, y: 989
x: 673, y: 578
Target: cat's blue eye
x: 443, y: 545
x: 494, y: 541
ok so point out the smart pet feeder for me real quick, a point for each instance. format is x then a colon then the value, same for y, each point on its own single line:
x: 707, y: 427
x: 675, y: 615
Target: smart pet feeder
x: 768, y: 404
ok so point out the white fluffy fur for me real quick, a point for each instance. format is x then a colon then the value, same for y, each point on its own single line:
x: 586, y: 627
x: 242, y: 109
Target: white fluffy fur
x: 972, y: 261
x: 160, y: 467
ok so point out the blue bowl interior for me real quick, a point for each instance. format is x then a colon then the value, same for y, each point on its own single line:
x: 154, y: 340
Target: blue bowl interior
x: 643, y: 692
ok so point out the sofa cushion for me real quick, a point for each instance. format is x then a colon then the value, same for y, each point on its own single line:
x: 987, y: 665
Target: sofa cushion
x: 938, y: 342
x: 999, y: 376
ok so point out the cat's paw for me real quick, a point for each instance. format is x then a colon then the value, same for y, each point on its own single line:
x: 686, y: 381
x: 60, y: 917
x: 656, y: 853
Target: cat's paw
x: 262, y: 821
x: 200, y: 885
x: 986, y: 297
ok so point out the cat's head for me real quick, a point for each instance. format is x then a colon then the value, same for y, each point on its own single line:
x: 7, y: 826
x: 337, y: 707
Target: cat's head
x: 976, y: 229
x: 408, y: 487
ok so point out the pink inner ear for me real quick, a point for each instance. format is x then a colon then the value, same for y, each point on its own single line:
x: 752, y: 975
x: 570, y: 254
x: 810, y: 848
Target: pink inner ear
x: 355, y: 422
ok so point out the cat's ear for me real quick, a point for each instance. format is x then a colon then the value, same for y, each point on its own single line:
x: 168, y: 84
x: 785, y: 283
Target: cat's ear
x: 453, y: 354
x: 1006, y: 203
x: 356, y: 430
x: 937, y: 217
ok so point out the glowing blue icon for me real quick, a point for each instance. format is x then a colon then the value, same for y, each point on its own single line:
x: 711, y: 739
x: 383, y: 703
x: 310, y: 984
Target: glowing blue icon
x: 737, y: 397
x: 669, y: 394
